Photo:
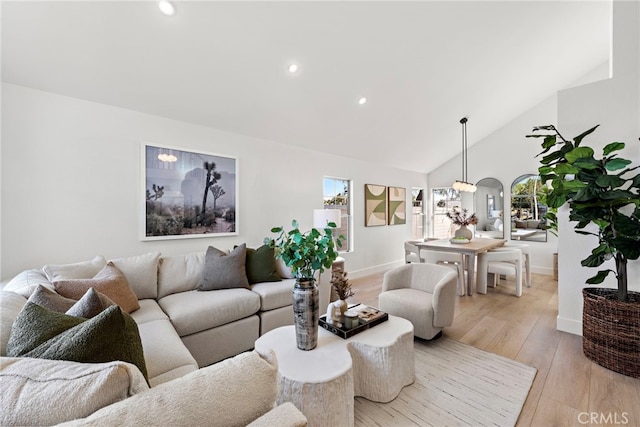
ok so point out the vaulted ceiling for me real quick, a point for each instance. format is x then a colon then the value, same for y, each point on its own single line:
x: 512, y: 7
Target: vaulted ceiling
x: 422, y: 65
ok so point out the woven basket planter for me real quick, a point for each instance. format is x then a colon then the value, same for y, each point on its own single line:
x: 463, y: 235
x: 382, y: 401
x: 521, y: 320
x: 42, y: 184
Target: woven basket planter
x: 611, y: 330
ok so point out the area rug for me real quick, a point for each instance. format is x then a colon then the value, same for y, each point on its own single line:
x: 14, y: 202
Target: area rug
x: 456, y: 385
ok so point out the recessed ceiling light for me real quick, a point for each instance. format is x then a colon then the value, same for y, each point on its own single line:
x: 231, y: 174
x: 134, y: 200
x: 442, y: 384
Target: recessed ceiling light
x: 293, y: 68
x: 167, y: 8
x: 362, y: 100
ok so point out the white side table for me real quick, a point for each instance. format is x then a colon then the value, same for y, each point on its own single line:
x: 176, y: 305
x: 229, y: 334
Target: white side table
x: 375, y: 364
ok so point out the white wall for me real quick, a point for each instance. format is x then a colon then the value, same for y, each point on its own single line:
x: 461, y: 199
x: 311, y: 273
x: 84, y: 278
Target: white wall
x: 505, y: 155
x: 615, y: 105
x: 71, y: 189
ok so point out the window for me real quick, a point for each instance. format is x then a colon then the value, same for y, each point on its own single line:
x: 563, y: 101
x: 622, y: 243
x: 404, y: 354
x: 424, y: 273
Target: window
x: 444, y: 199
x: 336, y: 195
x: 417, y: 214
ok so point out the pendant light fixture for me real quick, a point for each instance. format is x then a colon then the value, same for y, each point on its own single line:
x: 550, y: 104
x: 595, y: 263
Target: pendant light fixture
x: 463, y: 185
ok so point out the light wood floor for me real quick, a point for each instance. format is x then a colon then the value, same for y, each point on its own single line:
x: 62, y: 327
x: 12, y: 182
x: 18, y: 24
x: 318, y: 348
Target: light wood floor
x: 569, y: 389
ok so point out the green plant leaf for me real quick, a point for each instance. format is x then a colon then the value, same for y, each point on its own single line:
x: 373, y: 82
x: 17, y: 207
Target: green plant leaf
x: 593, y: 260
x: 276, y: 229
x: 588, y: 163
x: 578, y: 139
x: 599, y: 278
x: 566, y: 168
x: 555, y: 200
x: 618, y: 194
x: 612, y: 181
x: 610, y: 148
x: 579, y: 153
x: 616, y: 164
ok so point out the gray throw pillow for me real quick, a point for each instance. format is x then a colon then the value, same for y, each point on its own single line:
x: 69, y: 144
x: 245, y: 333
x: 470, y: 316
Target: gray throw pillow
x: 49, y: 299
x: 91, y: 304
x: 222, y: 271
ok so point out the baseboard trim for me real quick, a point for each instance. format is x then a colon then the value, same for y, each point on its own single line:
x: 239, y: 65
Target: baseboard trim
x: 569, y: 325
x: 375, y: 269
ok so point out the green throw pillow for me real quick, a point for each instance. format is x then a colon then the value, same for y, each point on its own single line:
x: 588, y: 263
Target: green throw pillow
x: 261, y: 265
x: 44, y: 334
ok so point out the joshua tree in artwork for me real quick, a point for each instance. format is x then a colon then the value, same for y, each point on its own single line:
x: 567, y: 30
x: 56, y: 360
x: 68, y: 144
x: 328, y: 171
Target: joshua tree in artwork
x: 217, y: 192
x: 212, y: 178
x: 158, y: 192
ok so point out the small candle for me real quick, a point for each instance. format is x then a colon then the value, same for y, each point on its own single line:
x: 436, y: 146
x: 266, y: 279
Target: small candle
x: 351, y: 319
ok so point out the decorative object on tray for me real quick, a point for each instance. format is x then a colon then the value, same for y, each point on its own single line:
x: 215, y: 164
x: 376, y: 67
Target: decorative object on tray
x: 609, y: 204
x: 342, y: 288
x: 367, y: 317
x: 463, y: 220
x: 334, y: 314
x: 459, y: 240
x: 306, y: 254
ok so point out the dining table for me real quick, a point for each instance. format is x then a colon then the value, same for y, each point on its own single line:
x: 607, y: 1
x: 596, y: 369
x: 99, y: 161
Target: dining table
x: 469, y: 251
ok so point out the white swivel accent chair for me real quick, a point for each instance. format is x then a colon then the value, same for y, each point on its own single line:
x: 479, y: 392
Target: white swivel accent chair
x: 424, y: 294
x: 447, y: 259
x: 504, y: 261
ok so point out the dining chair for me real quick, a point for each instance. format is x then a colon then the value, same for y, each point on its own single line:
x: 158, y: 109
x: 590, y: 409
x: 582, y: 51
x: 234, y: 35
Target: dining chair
x: 447, y: 259
x: 526, y: 257
x: 411, y: 252
x: 504, y: 261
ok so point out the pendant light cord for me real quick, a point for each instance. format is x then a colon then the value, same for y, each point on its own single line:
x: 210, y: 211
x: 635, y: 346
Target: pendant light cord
x: 463, y: 121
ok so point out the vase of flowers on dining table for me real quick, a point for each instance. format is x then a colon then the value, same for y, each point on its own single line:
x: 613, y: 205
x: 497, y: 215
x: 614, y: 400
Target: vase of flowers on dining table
x: 462, y: 218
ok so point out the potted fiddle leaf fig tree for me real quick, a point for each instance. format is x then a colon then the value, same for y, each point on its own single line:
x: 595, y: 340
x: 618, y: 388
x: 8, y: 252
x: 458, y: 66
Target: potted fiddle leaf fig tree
x: 306, y: 254
x: 603, y: 195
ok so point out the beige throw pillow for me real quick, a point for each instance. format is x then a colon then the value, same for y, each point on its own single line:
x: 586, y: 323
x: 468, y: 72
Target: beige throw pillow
x: 109, y: 281
x: 46, y: 392
x: 78, y: 270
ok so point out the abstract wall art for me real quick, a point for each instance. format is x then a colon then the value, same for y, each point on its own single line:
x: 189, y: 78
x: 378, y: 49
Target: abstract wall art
x: 397, y: 205
x: 375, y: 205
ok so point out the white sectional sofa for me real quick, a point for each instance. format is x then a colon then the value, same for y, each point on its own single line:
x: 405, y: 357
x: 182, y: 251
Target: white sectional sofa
x: 181, y: 328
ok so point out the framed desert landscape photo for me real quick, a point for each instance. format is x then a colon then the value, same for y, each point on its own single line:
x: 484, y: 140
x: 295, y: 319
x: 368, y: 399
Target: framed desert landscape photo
x: 375, y: 205
x: 397, y: 205
x: 188, y: 194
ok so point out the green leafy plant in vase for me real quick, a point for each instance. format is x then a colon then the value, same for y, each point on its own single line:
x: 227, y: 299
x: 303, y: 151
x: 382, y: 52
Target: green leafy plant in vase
x: 306, y: 253
x: 603, y: 196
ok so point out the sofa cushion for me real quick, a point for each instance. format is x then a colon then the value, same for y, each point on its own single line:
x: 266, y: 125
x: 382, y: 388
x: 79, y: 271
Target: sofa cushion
x: 78, y: 270
x: 51, y: 300
x: 27, y: 281
x: 141, y: 272
x: 165, y: 355
x: 195, y: 311
x: 224, y: 271
x: 274, y: 295
x: 179, y: 273
x: 230, y: 393
x: 261, y: 265
x: 90, y: 305
x: 46, y: 392
x: 109, y: 281
x: 10, y: 306
x: 45, y: 334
